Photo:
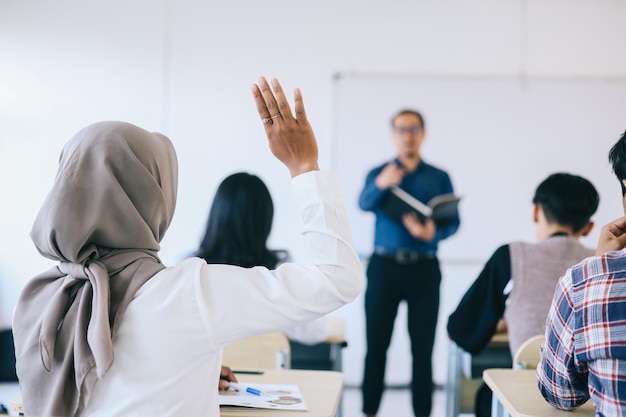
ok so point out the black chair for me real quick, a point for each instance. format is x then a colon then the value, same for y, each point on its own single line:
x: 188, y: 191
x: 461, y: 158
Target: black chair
x: 7, y: 357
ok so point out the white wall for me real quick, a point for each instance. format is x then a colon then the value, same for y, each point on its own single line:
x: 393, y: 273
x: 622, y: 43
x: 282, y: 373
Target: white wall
x: 184, y: 68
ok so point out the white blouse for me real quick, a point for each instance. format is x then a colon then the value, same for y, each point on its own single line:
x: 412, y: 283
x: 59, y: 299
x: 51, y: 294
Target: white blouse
x: 168, y: 350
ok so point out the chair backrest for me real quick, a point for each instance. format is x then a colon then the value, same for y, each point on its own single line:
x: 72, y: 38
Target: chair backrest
x: 528, y: 355
x: 265, y: 351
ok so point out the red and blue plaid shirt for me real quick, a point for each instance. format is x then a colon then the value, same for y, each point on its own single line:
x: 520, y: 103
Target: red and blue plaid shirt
x: 584, y: 355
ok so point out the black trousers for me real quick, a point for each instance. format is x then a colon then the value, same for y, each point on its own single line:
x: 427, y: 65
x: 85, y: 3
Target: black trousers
x: 389, y: 283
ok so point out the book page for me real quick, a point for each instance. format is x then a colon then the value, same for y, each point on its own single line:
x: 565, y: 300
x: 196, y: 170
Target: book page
x: 272, y: 396
x: 442, y: 199
x: 412, y: 201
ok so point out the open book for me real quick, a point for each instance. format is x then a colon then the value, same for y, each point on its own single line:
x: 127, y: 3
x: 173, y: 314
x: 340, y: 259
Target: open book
x: 272, y: 396
x: 442, y: 209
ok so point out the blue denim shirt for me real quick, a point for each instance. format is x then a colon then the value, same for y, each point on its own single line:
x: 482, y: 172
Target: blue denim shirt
x: 424, y: 183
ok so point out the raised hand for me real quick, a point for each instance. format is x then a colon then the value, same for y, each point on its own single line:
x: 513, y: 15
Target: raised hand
x: 291, y: 139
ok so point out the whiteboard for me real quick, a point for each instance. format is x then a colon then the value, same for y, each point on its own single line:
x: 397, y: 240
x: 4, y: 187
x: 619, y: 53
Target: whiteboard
x: 497, y: 138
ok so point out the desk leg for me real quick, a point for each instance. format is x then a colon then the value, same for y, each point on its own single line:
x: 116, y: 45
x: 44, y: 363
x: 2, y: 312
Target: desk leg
x: 497, y: 409
x: 335, y: 358
x: 453, y: 384
x: 340, y: 406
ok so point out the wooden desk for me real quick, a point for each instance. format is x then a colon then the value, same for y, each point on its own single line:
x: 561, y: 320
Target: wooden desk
x: 324, y: 356
x: 321, y: 391
x: 515, y: 394
x: 337, y: 332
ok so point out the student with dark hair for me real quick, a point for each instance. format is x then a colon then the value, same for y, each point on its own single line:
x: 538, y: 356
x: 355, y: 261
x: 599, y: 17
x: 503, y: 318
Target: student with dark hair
x: 515, y: 287
x: 239, y: 224
x: 517, y: 282
x: 109, y: 330
x: 584, y: 355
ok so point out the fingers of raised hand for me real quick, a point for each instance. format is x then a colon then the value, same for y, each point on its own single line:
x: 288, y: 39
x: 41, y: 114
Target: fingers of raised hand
x: 268, y: 96
x: 271, y: 105
x: 260, y: 104
x: 299, y: 107
x: 614, y: 229
x: 265, y: 101
x: 281, y: 101
x: 620, y: 224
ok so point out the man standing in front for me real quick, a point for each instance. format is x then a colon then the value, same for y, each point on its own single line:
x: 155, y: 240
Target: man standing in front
x: 404, y: 265
x: 584, y: 355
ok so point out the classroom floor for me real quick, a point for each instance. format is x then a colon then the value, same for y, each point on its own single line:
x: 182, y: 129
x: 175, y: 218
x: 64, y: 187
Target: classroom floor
x: 396, y: 403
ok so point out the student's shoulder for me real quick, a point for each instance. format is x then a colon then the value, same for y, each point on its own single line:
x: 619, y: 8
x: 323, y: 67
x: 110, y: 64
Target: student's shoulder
x: 174, y: 278
x: 501, y: 251
x: 606, y: 267
x: 559, y: 244
x: 500, y: 259
x: 187, y: 265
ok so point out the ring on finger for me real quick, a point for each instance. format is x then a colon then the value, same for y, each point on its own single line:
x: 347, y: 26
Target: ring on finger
x: 267, y: 119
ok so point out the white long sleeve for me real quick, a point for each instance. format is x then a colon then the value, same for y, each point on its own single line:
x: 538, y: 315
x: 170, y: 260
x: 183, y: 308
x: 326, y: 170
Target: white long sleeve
x: 237, y: 302
x: 167, y: 352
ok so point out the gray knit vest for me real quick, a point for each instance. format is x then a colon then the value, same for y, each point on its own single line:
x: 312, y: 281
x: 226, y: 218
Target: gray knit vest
x: 535, y: 271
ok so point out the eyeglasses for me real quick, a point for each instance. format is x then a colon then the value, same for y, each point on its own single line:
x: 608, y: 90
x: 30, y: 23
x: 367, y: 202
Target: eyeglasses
x: 414, y: 130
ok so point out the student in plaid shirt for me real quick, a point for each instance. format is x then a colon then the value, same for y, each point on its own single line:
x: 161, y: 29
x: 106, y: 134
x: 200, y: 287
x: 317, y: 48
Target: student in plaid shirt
x: 585, y: 351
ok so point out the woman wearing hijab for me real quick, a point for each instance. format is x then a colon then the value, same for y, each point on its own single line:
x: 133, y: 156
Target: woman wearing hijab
x: 110, y: 330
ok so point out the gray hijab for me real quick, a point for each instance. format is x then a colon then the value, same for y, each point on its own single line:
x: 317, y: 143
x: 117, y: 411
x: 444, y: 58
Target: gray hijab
x: 112, y: 200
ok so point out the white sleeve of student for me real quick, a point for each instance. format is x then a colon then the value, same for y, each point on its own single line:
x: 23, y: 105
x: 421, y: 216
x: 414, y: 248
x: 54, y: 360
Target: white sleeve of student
x: 311, y: 332
x: 240, y: 302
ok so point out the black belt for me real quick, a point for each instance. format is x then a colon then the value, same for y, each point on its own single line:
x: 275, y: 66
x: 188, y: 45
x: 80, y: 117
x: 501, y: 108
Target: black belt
x: 404, y: 256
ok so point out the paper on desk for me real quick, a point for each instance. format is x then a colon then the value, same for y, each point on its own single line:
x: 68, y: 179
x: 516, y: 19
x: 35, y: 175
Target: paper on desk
x: 273, y: 396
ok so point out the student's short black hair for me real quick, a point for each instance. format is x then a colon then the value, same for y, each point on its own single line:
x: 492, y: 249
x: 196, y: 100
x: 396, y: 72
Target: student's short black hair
x: 408, y: 111
x: 568, y: 200
x: 617, y: 158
